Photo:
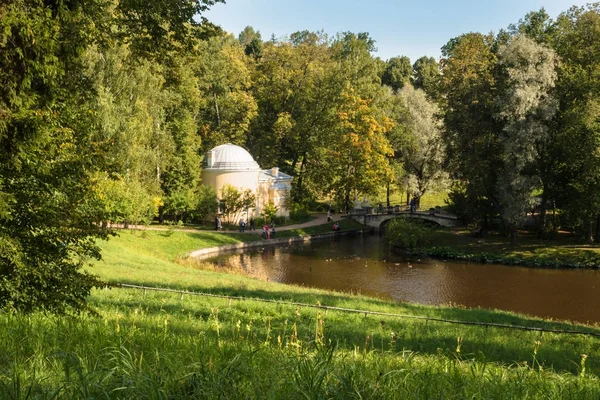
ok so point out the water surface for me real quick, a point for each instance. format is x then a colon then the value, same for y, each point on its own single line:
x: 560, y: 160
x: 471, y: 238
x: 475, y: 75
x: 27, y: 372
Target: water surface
x: 365, y: 265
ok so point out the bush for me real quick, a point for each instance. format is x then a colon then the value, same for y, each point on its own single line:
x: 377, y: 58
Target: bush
x: 259, y: 222
x: 280, y: 220
x: 407, y: 235
x: 300, y: 213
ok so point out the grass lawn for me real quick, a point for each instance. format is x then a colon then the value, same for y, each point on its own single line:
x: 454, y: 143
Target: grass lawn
x: 562, y: 251
x: 155, y: 345
x: 428, y: 200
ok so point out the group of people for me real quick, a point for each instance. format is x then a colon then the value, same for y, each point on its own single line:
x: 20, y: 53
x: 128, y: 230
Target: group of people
x: 243, y: 224
x: 269, y: 231
x: 219, y: 224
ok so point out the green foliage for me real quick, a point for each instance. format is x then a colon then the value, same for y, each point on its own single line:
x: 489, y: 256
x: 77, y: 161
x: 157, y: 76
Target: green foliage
x: 407, y: 235
x: 120, y: 201
x: 426, y: 76
x: 207, y: 203
x: 82, y: 136
x: 423, y: 151
x: 180, y: 204
x: 299, y: 213
x: 269, y: 210
x: 236, y: 203
x: 397, y: 72
x: 49, y: 221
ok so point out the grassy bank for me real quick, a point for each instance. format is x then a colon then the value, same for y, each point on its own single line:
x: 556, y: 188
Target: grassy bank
x: 166, y: 345
x: 564, y: 251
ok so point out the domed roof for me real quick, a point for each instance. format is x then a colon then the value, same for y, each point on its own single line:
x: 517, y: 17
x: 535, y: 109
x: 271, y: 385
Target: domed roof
x: 230, y: 157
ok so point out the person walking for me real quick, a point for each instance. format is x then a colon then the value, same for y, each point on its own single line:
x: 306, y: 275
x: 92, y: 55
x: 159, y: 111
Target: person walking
x: 272, y: 229
x: 242, y: 225
x: 252, y: 223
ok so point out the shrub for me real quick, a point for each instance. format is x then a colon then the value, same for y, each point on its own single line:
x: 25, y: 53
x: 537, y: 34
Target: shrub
x: 269, y: 211
x: 300, y: 213
x: 407, y: 235
x: 280, y: 220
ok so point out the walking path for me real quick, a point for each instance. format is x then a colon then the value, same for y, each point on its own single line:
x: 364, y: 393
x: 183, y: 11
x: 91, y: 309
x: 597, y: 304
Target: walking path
x: 319, y: 220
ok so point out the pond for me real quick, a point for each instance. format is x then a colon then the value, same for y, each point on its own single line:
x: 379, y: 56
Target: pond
x: 365, y: 265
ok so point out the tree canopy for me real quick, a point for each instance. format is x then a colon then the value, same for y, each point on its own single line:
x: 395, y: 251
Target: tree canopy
x: 106, y: 110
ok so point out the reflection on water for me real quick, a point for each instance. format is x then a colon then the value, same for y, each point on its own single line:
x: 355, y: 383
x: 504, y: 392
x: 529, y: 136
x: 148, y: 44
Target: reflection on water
x: 365, y: 265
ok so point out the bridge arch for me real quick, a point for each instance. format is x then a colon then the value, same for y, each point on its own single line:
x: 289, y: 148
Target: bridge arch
x: 379, y: 221
x: 383, y: 224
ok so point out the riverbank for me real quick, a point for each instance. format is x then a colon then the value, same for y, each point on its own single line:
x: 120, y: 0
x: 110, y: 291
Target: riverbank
x: 564, y: 251
x: 223, y: 343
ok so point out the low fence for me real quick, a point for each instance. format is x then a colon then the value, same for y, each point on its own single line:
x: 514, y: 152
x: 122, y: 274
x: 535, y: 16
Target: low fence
x: 365, y: 312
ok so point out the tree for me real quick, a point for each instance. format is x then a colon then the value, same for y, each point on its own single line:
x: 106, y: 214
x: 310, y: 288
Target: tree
x: 227, y: 108
x: 525, y: 107
x: 423, y: 154
x: 397, y: 72
x: 577, y: 134
x: 296, y: 96
x: 471, y: 133
x: 48, y: 225
x: 360, y: 154
x: 50, y: 149
x: 426, y: 76
x: 248, y: 35
x: 394, y: 107
x: 536, y: 25
x: 235, y: 202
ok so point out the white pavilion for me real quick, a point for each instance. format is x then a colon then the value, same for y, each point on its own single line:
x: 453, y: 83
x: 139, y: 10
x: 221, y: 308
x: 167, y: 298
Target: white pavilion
x: 233, y: 165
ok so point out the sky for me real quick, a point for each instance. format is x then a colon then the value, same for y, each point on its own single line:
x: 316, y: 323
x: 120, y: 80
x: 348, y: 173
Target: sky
x: 400, y: 28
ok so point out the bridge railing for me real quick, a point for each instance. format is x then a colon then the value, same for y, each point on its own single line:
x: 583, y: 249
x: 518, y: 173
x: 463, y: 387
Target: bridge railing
x: 387, y: 210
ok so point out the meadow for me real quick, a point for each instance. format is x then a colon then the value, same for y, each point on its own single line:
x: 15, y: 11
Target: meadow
x: 226, y: 341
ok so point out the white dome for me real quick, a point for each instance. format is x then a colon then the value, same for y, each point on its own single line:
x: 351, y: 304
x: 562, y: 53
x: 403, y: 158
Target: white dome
x: 230, y: 157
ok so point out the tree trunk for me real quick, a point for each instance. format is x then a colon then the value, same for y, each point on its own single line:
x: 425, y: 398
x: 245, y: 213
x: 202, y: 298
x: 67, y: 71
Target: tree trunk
x: 597, y: 238
x: 299, y: 185
x: 485, y: 225
x: 513, y: 236
x: 217, y: 109
x: 543, y: 211
x: 407, y: 195
x: 388, y: 194
x: 589, y: 238
x: 347, y: 200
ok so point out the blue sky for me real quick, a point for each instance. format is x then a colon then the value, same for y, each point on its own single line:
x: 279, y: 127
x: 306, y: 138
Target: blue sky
x: 412, y: 28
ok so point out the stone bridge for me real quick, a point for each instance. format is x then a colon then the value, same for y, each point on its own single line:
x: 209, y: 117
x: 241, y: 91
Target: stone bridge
x: 376, y: 220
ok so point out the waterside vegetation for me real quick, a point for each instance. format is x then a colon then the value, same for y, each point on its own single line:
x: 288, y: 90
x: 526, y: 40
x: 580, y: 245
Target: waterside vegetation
x: 564, y: 250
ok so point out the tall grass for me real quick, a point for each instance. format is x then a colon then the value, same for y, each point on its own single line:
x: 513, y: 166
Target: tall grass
x: 169, y: 346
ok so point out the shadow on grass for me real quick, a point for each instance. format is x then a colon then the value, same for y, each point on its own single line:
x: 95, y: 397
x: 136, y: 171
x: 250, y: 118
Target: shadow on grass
x: 352, y: 331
